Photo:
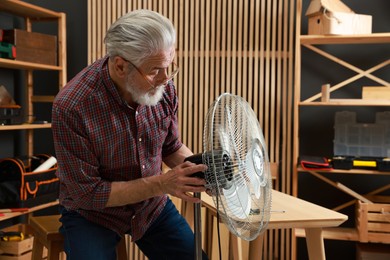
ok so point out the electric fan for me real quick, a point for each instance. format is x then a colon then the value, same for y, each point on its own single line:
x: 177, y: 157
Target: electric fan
x: 238, y: 175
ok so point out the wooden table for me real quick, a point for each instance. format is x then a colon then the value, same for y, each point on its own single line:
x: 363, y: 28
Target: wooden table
x: 292, y: 212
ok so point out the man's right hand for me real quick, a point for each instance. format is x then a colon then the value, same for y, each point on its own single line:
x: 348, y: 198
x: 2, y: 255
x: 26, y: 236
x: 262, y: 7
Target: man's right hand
x: 180, y: 181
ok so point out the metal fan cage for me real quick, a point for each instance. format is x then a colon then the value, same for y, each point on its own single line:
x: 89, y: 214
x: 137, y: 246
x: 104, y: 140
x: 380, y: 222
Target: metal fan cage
x: 238, y: 174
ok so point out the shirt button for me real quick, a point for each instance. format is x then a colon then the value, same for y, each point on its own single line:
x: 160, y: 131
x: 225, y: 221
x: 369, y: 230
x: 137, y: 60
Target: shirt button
x: 140, y: 139
x: 133, y: 217
x: 143, y: 166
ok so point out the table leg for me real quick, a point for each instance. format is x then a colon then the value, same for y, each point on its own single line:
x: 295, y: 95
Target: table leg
x: 315, y: 243
x: 256, y: 248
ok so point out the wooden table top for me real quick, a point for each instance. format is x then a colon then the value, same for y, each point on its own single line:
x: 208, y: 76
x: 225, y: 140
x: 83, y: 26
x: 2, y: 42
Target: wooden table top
x: 291, y: 212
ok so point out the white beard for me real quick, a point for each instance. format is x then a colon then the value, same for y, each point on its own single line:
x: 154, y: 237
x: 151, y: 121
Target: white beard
x: 148, y: 98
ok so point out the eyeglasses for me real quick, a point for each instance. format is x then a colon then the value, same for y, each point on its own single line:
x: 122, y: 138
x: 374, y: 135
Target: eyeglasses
x: 171, y: 75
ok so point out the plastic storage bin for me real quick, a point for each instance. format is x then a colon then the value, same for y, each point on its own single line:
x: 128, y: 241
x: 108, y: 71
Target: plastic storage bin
x: 361, y: 139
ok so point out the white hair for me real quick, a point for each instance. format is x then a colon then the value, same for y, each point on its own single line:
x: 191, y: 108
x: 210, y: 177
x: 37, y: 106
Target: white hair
x: 140, y: 34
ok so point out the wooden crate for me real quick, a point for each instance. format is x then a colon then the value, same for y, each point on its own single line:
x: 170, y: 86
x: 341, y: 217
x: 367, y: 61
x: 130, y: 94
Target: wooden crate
x: 17, y: 249
x: 25, y: 256
x: 32, y: 46
x: 373, y: 220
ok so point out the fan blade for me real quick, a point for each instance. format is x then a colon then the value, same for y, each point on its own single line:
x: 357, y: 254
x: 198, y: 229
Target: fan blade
x: 238, y: 200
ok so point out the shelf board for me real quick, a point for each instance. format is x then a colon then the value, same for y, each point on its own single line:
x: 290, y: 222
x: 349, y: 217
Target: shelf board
x: 43, y: 99
x: 338, y: 233
x: 353, y: 171
x: 347, y: 102
x: 346, y: 39
x: 24, y: 127
x: 17, y: 64
x: 24, y: 9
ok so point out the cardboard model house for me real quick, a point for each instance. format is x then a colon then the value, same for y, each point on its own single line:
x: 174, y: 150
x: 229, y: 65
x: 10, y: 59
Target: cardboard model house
x: 333, y: 17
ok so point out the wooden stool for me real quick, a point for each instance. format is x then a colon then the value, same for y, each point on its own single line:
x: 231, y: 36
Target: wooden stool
x: 46, y: 234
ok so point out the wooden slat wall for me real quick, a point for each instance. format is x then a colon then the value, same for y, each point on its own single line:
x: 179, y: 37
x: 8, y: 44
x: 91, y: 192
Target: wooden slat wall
x: 242, y: 47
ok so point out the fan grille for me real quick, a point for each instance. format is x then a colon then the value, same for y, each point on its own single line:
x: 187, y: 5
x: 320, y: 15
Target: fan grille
x: 238, y: 174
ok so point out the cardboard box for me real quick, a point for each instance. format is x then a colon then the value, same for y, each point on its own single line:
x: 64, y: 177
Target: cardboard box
x: 32, y: 46
x: 332, y: 17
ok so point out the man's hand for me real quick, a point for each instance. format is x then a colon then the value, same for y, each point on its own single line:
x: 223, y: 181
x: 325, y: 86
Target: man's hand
x: 179, y: 181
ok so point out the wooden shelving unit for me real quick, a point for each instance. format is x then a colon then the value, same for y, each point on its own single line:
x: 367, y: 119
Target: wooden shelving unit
x: 312, y: 43
x: 31, y: 14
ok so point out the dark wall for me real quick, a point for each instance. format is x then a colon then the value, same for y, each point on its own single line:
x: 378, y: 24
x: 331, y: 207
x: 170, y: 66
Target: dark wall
x: 45, y: 82
x: 316, y: 123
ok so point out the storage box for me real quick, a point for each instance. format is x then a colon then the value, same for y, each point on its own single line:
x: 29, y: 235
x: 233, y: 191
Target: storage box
x: 32, y: 46
x: 361, y: 139
x: 17, y: 249
x: 332, y: 17
x: 373, y: 220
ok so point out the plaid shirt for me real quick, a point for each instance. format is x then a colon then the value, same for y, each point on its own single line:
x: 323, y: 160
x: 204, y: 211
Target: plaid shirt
x: 98, y: 139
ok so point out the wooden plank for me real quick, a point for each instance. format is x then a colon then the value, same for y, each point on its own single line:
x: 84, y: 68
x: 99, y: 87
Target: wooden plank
x: 186, y: 82
x: 379, y: 227
x: 62, y: 50
x: 234, y: 48
x: 190, y: 91
x: 48, y: 99
x: 24, y: 9
x: 15, y: 64
x: 217, y: 40
x: 374, y: 38
x: 352, y: 192
x: 229, y: 36
x: 376, y: 93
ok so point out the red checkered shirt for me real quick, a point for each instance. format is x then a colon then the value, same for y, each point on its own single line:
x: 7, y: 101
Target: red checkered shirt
x: 98, y: 139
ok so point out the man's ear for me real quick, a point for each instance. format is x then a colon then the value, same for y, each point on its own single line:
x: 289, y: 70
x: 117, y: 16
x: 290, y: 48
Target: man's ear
x: 120, y: 66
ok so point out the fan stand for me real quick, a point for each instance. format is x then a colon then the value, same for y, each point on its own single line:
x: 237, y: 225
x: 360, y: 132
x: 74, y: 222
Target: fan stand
x: 197, y: 228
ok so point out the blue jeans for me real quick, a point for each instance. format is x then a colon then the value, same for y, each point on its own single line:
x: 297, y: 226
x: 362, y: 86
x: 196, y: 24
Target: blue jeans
x: 169, y: 237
